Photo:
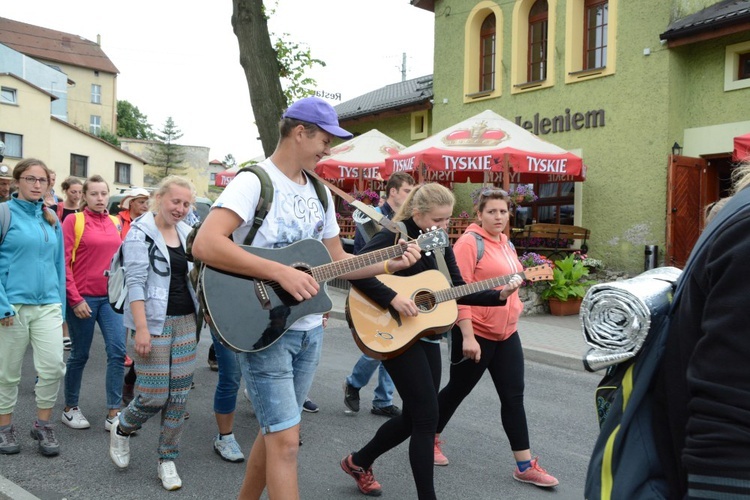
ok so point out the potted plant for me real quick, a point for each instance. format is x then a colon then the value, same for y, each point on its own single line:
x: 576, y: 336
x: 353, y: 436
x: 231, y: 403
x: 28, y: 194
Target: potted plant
x: 568, y: 286
x: 523, y: 193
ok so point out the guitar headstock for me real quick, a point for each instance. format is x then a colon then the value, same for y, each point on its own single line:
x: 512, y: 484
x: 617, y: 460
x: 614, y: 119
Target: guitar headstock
x: 437, y: 238
x: 538, y: 273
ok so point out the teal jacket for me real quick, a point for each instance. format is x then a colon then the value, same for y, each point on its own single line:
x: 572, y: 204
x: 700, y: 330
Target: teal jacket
x: 32, y: 259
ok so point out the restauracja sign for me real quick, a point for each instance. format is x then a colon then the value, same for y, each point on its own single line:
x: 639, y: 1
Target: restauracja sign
x: 563, y: 123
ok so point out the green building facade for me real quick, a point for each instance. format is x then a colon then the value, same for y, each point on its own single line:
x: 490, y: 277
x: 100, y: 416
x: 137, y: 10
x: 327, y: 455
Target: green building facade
x: 665, y: 72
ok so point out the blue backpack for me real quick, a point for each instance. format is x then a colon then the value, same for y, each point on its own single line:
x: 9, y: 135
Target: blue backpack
x: 625, y: 463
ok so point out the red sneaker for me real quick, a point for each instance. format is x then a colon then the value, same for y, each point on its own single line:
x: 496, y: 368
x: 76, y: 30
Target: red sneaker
x: 440, y: 459
x: 535, y: 475
x: 365, y: 480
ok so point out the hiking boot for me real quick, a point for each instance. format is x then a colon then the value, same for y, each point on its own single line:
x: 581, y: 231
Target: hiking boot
x: 9, y: 441
x: 128, y: 393
x: 389, y: 411
x: 168, y: 475
x: 119, y: 448
x: 49, y: 446
x: 365, y: 480
x: 440, y: 459
x: 310, y: 407
x: 228, y: 448
x: 535, y: 475
x: 351, y: 397
x: 74, y: 419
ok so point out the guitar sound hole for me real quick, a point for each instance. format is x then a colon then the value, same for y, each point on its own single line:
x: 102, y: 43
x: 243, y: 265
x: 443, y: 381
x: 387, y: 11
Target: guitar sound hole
x: 282, y: 294
x: 425, y: 301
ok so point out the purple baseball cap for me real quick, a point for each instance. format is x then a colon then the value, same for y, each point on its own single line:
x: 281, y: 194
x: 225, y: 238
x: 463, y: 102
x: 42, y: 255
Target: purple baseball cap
x: 316, y: 110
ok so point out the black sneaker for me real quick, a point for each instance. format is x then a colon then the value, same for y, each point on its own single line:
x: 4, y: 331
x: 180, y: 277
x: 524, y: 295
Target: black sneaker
x: 351, y: 397
x: 49, y: 446
x: 386, y: 411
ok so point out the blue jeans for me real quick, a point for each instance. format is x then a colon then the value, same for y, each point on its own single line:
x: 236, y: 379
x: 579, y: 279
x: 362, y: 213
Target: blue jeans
x: 230, y: 376
x: 81, y: 334
x: 361, y: 375
x: 279, y: 377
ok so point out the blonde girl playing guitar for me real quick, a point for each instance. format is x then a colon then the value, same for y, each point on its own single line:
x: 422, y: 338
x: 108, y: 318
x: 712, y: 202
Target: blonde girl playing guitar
x: 416, y: 372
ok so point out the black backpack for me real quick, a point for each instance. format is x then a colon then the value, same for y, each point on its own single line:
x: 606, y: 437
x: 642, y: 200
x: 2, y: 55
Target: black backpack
x: 625, y: 463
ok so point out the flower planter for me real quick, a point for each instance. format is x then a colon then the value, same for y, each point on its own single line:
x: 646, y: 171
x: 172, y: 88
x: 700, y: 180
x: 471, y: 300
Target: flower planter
x: 564, y: 307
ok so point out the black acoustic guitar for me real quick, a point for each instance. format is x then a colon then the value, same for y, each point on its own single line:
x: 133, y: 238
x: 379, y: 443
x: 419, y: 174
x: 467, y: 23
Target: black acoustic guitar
x: 250, y: 314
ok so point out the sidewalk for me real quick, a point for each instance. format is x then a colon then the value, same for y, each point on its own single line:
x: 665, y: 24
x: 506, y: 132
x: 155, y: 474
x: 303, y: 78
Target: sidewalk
x: 552, y: 340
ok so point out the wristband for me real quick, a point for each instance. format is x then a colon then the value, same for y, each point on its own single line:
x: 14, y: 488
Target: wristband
x: 385, y: 268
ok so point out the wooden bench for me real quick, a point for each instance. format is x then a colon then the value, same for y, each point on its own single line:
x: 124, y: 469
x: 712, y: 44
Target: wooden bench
x: 555, y: 239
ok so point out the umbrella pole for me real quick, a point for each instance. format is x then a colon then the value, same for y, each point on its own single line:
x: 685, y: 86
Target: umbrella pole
x: 506, y: 187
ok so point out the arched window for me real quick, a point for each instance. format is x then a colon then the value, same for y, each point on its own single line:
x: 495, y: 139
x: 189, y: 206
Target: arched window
x: 596, y: 21
x: 487, y: 54
x: 537, y: 52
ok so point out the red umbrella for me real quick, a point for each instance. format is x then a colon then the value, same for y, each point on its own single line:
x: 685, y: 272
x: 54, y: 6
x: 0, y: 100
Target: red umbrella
x: 358, y: 160
x: 741, y: 148
x: 481, y: 149
x: 223, y: 178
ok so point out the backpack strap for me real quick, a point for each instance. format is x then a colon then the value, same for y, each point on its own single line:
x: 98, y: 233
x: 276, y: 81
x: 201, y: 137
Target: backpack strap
x: 117, y: 223
x: 480, y: 244
x: 4, y: 220
x: 266, y: 197
x: 264, y: 201
x: 78, y: 231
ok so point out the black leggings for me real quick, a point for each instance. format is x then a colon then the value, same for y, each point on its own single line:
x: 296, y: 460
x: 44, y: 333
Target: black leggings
x: 504, y: 361
x: 416, y: 374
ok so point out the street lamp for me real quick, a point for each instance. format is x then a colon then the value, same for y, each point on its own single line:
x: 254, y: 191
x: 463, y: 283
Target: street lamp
x: 676, y: 149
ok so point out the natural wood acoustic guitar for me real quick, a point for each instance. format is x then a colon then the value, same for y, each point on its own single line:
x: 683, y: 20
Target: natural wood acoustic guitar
x: 384, y: 334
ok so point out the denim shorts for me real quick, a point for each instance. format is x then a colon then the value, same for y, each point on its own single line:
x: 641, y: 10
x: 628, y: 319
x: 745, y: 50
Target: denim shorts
x: 279, y: 377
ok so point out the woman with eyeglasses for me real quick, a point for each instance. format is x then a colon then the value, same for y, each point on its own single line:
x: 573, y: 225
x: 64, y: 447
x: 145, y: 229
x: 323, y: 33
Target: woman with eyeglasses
x: 91, y: 239
x: 416, y: 372
x: 161, y: 320
x: 32, y: 294
x: 485, y: 339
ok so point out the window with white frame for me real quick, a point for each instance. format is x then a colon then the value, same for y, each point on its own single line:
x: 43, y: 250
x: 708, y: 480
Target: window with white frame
x: 95, y: 125
x: 8, y: 95
x: 122, y: 172
x: 13, y: 144
x: 96, y: 93
x: 737, y: 66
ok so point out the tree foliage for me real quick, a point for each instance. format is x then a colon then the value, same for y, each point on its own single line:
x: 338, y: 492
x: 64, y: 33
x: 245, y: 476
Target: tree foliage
x: 131, y: 123
x: 109, y: 137
x: 165, y: 154
x: 229, y: 161
x: 265, y: 63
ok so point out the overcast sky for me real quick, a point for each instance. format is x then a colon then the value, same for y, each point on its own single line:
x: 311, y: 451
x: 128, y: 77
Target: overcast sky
x: 181, y: 59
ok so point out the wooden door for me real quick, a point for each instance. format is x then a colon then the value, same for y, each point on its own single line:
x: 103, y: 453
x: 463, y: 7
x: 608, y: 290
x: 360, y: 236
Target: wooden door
x: 685, y: 193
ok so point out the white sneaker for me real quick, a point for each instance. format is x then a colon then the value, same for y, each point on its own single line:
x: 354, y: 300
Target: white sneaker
x: 228, y: 448
x: 108, y: 421
x: 119, y: 448
x: 168, y: 475
x: 74, y: 419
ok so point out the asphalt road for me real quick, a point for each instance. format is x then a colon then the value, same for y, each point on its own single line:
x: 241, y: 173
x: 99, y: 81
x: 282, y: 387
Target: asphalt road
x: 559, y: 406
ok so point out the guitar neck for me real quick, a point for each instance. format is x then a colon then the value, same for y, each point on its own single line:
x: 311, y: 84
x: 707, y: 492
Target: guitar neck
x: 333, y: 270
x: 469, y: 288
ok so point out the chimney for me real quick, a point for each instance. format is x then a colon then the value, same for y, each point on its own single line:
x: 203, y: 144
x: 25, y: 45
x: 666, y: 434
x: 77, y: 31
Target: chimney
x: 99, y: 40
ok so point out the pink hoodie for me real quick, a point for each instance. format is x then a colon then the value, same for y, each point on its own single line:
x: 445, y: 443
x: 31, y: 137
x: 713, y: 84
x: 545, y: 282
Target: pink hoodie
x: 499, y: 259
x: 99, y: 242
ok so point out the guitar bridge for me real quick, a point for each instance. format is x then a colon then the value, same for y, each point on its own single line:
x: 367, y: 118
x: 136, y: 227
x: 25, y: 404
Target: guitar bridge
x: 262, y: 294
